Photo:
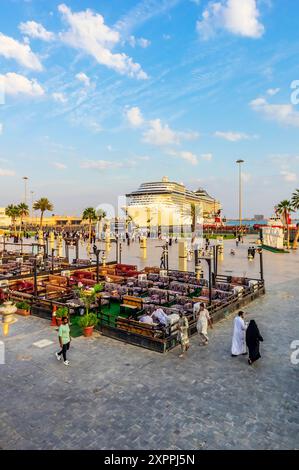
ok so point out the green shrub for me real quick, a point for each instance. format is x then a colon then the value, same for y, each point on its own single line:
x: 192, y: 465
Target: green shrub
x: 98, y: 288
x: 62, y: 312
x: 89, y: 319
x: 23, y: 305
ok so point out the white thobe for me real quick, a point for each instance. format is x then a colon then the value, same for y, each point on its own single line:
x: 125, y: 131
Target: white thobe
x: 238, y: 343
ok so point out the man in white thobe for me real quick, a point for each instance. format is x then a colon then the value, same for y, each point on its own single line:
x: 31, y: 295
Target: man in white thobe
x: 239, y: 343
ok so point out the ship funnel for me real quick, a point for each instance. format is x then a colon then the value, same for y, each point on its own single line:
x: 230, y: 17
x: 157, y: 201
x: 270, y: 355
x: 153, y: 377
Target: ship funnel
x: 165, y: 179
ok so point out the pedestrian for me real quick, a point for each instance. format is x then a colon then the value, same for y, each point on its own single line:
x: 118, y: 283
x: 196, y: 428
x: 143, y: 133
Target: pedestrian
x: 237, y: 241
x: 183, y: 335
x: 64, y: 340
x: 203, y: 320
x: 253, y: 338
x: 238, y: 342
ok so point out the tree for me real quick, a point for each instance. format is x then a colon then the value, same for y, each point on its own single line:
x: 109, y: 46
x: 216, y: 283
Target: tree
x: 284, y: 208
x: 295, y: 206
x: 42, y: 205
x: 23, y: 212
x: 90, y: 215
x: 13, y: 212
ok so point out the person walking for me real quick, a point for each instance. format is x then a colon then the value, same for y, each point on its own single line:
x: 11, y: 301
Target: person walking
x: 237, y: 241
x: 183, y: 335
x: 253, y: 338
x: 238, y: 342
x: 64, y: 340
x: 203, y: 321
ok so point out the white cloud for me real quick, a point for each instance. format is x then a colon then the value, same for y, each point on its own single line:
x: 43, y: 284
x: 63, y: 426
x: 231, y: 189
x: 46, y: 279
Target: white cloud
x: 15, y: 84
x: 142, y: 42
x: 36, y: 30
x: 59, y: 97
x: 189, y: 156
x: 232, y: 136
x: 135, y: 117
x: 185, y: 155
x: 101, y: 165
x: 4, y: 172
x: 288, y: 176
x: 160, y: 135
x: 237, y: 17
x: 273, y: 91
x: 282, y: 113
x: 82, y: 77
x: 59, y: 166
x: 89, y: 33
x: 207, y: 156
x: 21, y: 53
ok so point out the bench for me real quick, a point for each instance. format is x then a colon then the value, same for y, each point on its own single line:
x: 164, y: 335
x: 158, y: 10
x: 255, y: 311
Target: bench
x: 133, y: 326
x: 130, y: 302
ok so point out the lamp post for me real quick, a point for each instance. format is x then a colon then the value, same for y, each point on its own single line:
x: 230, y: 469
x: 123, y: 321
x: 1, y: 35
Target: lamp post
x: 25, y: 178
x: 32, y: 193
x: 239, y: 162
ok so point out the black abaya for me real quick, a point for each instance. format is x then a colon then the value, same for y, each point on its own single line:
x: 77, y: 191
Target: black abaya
x: 253, y: 338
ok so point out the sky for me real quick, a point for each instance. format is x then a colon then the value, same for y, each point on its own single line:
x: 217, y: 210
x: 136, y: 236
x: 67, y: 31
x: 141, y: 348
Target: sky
x: 99, y: 96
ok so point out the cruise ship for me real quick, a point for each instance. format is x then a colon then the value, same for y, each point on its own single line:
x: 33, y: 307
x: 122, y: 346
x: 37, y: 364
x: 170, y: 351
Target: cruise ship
x: 168, y: 203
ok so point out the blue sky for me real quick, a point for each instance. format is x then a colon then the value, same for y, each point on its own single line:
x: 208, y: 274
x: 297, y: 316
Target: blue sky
x: 100, y: 96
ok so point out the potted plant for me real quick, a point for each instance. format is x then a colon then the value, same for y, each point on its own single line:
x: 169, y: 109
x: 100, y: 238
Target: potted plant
x: 23, y: 308
x: 61, y: 312
x: 87, y: 323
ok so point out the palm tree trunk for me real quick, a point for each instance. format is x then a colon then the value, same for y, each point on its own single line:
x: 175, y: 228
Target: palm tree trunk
x: 41, y: 220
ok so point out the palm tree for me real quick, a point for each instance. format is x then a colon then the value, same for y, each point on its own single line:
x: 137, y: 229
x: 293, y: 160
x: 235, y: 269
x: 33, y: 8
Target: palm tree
x: 24, y: 212
x: 90, y: 215
x: 295, y: 205
x: 42, y: 205
x: 284, y: 208
x: 13, y: 212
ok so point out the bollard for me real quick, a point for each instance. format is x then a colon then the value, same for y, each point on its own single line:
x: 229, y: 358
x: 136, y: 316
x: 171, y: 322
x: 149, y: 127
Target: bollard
x: 143, y: 247
x: 52, y: 240
x: 59, y: 245
x: 182, y: 256
x: 220, y: 249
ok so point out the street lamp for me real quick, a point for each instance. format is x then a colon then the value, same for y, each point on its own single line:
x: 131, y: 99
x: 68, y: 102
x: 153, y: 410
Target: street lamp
x: 240, y: 192
x: 32, y: 193
x: 25, y: 178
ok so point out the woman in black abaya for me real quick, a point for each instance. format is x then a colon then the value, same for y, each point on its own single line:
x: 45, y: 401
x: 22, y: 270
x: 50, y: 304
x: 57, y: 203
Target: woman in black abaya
x: 253, y: 338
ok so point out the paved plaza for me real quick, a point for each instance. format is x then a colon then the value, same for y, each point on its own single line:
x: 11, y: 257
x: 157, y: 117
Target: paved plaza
x: 118, y: 396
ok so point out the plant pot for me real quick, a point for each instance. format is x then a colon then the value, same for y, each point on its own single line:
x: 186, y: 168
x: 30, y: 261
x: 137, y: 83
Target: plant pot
x: 58, y: 321
x: 22, y: 312
x: 88, y: 330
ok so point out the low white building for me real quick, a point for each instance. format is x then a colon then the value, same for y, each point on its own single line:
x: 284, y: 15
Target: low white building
x: 5, y: 221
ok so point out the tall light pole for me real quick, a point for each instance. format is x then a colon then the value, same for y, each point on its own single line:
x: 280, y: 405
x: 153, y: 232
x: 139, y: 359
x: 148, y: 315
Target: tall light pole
x: 240, y: 192
x: 25, y: 178
x: 32, y: 193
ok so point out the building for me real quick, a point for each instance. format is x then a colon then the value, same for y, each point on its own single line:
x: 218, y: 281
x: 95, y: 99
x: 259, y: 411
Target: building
x: 259, y: 217
x: 166, y: 203
x: 5, y: 221
x: 54, y: 220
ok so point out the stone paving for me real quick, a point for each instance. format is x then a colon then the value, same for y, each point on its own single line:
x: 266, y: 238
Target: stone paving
x: 118, y: 396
